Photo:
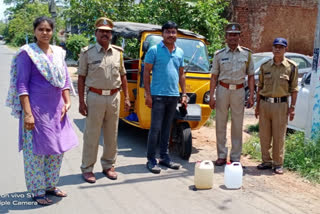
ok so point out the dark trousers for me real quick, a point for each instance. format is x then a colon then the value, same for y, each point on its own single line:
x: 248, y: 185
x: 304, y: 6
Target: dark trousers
x: 162, y: 115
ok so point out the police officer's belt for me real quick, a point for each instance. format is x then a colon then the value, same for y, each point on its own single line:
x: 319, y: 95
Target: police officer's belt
x: 231, y: 86
x: 104, y: 92
x: 274, y: 99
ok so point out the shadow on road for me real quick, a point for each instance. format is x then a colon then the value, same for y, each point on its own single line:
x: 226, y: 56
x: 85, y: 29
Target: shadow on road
x: 150, y: 178
x: 253, y: 171
x: 132, y: 141
x: 125, y: 172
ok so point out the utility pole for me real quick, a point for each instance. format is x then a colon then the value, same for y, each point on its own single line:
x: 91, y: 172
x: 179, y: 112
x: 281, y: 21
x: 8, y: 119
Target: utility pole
x: 313, y: 117
x: 53, y: 12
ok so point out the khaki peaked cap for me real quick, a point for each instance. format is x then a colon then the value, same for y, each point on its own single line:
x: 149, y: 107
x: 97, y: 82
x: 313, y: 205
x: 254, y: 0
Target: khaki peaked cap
x: 104, y: 23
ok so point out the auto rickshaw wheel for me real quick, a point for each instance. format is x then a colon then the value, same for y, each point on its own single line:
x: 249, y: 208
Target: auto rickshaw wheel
x: 185, y: 140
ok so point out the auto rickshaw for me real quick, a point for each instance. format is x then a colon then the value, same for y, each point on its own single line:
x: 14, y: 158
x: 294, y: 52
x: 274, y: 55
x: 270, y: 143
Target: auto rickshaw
x: 197, y: 80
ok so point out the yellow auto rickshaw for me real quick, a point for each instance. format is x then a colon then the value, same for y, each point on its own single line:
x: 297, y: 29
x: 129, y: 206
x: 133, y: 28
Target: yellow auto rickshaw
x: 142, y: 36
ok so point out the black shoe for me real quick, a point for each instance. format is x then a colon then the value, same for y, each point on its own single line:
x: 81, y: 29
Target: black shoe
x: 169, y: 164
x: 220, y: 162
x: 153, y: 167
x: 263, y: 166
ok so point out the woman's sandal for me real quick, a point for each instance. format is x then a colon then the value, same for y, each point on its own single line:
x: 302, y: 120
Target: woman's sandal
x: 56, y: 192
x: 40, y: 200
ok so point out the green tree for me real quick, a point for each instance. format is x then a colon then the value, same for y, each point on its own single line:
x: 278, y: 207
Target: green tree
x: 2, y: 28
x: 202, y: 16
x: 18, y: 5
x: 21, y: 22
x: 84, y: 13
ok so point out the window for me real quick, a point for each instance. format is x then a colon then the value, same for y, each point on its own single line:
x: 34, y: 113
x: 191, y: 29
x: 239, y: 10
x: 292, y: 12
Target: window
x: 301, y: 62
x: 195, y: 53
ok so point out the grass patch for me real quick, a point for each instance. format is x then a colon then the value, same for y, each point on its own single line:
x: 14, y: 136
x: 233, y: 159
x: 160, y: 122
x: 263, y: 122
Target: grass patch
x: 300, y: 156
x: 303, y: 157
x: 252, y: 147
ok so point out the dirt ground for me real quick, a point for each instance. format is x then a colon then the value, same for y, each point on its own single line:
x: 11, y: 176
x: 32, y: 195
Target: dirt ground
x: 289, y: 187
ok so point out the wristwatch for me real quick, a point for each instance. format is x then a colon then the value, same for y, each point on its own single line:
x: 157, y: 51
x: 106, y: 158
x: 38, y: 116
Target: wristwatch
x: 292, y: 106
x: 184, y: 95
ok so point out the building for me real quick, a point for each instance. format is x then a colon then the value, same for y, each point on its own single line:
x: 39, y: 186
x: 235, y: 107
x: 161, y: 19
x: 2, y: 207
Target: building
x: 263, y: 20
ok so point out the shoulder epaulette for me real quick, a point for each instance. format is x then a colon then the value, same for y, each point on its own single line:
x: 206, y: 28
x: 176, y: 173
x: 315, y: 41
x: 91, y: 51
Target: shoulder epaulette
x: 219, y: 51
x: 247, y: 49
x: 85, y: 49
x: 292, y: 62
x: 117, y: 47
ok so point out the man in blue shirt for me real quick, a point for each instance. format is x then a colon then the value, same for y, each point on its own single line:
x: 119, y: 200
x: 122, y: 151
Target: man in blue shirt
x: 166, y: 62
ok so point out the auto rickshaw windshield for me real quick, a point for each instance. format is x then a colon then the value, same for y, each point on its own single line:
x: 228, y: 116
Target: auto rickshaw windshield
x: 195, y: 53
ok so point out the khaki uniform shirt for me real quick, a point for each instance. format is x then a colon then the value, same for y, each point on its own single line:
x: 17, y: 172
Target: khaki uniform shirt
x: 278, y: 80
x: 233, y: 66
x: 101, y: 67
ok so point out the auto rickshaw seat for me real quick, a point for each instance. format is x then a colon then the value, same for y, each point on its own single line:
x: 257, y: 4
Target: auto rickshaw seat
x: 132, y: 68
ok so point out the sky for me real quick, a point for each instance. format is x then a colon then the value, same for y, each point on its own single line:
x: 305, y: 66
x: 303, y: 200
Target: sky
x: 2, y: 9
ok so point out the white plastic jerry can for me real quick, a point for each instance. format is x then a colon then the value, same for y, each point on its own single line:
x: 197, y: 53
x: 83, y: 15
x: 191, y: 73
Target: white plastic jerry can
x: 233, y: 175
x: 203, y: 174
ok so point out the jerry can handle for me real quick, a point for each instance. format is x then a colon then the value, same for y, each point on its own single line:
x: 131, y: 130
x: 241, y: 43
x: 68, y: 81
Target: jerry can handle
x: 207, y: 162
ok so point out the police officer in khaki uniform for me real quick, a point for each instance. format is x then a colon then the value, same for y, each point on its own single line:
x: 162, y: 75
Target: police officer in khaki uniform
x: 101, y: 69
x: 229, y: 69
x: 278, y: 79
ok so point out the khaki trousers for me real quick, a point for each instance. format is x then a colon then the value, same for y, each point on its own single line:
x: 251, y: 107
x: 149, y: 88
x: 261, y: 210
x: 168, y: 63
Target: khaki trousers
x: 272, y: 127
x: 234, y: 100
x: 103, y: 113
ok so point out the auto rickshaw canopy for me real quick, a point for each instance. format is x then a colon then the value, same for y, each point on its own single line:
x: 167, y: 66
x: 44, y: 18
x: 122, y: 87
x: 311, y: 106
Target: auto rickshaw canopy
x: 134, y: 30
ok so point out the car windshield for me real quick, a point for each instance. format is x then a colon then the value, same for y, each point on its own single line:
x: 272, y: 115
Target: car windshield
x: 195, y: 53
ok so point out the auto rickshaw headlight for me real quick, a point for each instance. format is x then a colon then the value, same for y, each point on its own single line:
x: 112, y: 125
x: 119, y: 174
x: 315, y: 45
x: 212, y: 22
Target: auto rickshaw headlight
x: 206, y: 97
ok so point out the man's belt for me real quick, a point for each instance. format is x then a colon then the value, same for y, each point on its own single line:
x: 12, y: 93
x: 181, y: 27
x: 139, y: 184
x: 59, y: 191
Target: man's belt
x: 274, y: 99
x: 231, y: 86
x: 104, y: 92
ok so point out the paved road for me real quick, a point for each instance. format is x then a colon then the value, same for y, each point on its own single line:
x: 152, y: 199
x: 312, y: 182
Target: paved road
x: 135, y: 191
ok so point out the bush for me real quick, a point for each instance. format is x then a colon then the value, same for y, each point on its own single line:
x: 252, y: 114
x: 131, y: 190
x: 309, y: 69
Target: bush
x: 253, y: 128
x: 20, y: 39
x: 74, y: 44
x: 302, y: 156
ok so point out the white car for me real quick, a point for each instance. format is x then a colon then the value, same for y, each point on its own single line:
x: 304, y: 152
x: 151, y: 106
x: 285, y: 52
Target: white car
x: 302, y: 105
x: 304, y: 65
x: 304, y: 62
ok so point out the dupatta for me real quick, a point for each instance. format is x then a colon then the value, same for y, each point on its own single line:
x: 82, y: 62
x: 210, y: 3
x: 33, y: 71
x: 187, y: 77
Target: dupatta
x: 53, y: 72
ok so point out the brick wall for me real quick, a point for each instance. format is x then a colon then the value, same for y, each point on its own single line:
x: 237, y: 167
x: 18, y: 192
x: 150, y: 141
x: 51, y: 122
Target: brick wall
x: 263, y: 20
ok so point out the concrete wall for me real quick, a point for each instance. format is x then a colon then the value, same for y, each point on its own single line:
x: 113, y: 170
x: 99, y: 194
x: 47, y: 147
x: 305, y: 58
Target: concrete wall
x: 263, y: 20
